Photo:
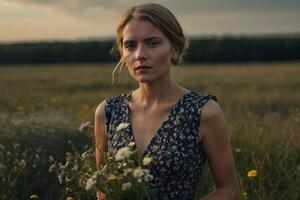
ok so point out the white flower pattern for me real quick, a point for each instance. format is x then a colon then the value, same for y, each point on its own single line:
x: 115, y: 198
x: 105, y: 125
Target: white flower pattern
x: 122, y: 126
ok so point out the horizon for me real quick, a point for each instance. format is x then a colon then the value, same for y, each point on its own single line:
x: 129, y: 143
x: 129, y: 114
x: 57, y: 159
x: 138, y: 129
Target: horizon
x: 191, y: 37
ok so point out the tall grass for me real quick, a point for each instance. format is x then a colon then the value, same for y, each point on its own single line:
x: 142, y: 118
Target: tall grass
x: 42, y: 106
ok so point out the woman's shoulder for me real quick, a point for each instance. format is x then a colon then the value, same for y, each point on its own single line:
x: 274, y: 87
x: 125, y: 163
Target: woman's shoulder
x: 211, y: 115
x: 100, y: 110
x: 202, y: 98
x: 116, y: 98
x: 211, y: 110
x: 110, y: 102
x: 207, y: 104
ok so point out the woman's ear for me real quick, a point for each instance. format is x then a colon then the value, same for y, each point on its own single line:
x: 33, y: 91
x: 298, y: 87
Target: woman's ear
x: 175, y: 52
x: 175, y: 55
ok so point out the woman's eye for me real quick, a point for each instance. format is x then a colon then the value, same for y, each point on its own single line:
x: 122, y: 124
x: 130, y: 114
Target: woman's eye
x: 153, y: 44
x: 130, y: 46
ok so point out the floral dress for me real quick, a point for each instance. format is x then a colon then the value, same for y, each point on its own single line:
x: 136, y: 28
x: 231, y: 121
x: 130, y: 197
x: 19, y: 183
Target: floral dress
x: 176, y: 148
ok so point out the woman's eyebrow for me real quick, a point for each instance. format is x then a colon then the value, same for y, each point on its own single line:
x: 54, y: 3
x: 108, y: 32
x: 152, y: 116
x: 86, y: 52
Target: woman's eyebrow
x: 128, y: 42
x: 151, y: 38
x: 145, y: 40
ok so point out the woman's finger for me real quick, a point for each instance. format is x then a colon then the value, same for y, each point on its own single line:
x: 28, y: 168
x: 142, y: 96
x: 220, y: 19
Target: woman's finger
x: 101, y: 196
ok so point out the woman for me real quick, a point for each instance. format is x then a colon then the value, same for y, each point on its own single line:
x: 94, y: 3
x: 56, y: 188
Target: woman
x: 177, y: 127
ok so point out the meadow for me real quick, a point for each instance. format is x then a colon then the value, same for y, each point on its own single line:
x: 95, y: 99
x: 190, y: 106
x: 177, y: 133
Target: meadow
x: 42, y: 106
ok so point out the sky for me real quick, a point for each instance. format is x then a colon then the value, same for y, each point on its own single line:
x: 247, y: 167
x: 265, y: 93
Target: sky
x: 39, y: 20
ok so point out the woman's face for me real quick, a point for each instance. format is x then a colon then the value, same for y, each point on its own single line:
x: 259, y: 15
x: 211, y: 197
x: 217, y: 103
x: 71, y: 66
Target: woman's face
x: 147, y: 52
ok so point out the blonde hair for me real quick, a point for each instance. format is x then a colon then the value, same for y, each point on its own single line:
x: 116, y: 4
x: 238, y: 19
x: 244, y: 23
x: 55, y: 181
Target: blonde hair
x: 162, y: 18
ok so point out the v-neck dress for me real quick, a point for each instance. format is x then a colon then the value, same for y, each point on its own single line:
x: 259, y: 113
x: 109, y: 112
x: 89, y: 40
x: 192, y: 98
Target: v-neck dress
x: 176, y: 148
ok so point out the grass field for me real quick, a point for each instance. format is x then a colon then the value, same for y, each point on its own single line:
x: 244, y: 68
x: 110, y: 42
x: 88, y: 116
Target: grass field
x: 42, y: 106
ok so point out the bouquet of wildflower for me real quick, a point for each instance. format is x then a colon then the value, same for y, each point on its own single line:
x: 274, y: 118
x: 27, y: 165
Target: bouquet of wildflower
x: 122, y: 175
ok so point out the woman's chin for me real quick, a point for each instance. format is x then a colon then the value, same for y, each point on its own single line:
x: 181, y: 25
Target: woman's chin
x: 144, y: 79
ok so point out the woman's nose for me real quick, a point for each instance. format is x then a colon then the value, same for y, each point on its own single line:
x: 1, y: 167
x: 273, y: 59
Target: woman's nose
x: 141, y: 53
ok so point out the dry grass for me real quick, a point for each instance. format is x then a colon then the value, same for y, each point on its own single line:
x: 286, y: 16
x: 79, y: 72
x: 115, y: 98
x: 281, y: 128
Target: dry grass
x: 261, y: 103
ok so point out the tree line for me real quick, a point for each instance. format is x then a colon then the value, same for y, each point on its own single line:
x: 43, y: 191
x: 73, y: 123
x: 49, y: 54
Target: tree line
x: 200, y: 50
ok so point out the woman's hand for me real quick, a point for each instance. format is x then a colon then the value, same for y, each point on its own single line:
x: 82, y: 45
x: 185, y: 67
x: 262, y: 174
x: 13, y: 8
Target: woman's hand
x: 102, y: 196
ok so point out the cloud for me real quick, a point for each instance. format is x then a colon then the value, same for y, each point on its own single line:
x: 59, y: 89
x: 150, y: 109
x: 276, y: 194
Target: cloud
x: 42, y: 19
x: 179, y: 6
x: 99, y: 10
x: 242, y: 22
x: 16, y: 11
x: 58, y: 27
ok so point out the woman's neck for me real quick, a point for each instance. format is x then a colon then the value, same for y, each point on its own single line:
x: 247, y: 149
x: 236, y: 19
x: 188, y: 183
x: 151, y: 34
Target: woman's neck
x: 166, y: 90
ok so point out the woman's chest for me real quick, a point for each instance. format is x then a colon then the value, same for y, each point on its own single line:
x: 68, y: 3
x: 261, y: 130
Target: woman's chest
x: 146, y: 125
x: 176, y: 152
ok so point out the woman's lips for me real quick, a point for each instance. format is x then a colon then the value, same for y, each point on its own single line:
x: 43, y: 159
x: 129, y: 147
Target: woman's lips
x: 142, y: 67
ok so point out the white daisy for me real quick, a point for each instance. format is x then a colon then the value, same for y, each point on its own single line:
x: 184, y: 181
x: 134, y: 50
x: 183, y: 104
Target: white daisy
x: 122, y: 153
x: 126, y: 186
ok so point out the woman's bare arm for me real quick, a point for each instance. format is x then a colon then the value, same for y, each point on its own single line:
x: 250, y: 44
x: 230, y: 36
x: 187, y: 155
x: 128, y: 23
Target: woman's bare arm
x: 100, y: 139
x: 100, y: 132
x: 216, y: 144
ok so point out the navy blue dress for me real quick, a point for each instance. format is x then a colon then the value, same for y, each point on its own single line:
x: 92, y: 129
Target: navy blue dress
x: 176, y: 147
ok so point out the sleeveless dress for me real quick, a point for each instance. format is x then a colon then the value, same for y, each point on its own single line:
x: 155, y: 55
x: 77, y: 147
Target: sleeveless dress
x: 176, y: 148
